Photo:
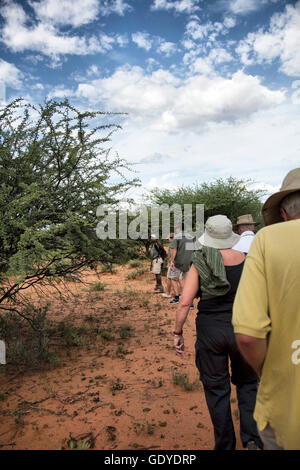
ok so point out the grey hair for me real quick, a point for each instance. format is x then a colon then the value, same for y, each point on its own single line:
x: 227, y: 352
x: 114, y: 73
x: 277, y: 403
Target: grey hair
x: 291, y: 204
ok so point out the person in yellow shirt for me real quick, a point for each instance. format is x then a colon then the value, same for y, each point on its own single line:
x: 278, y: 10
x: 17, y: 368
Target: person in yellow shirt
x: 266, y: 316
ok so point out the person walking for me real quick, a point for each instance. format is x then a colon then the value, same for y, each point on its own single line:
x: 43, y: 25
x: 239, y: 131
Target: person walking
x: 182, y: 249
x: 157, y: 261
x: 173, y: 275
x: 214, y: 277
x: 266, y: 316
x: 245, y: 227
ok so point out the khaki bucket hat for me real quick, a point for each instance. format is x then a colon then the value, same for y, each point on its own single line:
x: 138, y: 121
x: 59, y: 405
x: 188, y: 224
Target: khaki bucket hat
x: 271, y: 208
x: 246, y: 219
x: 218, y: 233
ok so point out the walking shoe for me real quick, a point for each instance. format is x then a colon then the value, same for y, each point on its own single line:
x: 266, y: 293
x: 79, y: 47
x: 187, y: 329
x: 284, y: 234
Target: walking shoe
x: 159, y: 289
x: 174, y: 301
x: 166, y: 295
x: 251, y: 445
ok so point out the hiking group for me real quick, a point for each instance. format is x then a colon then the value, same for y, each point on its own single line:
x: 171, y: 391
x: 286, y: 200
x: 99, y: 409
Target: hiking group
x: 247, y: 286
x: 179, y: 261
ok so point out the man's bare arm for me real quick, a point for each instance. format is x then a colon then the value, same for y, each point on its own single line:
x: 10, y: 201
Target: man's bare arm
x: 173, y: 256
x: 254, y: 350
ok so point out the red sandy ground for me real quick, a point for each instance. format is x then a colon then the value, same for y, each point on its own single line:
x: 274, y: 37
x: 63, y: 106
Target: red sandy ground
x: 111, y: 394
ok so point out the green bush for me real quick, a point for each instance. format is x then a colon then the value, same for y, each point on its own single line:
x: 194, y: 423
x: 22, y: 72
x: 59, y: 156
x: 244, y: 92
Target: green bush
x: 106, y: 336
x: 72, y: 335
x: 56, y: 171
x: 108, y: 268
x: 135, y: 263
x: 182, y: 379
x: 125, y: 331
x: 98, y: 287
x: 136, y: 273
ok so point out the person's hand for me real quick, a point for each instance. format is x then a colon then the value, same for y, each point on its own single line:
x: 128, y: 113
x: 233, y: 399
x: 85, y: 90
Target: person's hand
x: 179, y: 344
x: 172, y: 265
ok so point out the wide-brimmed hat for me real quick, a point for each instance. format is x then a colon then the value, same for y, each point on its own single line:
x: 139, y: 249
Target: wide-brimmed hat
x: 271, y: 208
x: 218, y: 233
x: 245, y: 219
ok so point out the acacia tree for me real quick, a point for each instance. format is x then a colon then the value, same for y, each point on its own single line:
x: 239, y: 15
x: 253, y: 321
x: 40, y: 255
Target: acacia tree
x: 55, y: 170
x: 231, y: 197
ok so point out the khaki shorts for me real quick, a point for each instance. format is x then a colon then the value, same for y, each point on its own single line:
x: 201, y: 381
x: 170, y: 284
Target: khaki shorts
x: 174, y: 274
x: 156, y: 265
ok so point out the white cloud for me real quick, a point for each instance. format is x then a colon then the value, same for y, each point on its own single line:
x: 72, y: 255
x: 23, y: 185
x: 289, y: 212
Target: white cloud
x: 142, y: 40
x: 166, y: 48
x: 180, y: 6
x: 93, y: 70
x: 207, y: 65
x: 229, y: 22
x: 106, y: 42
x: 188, y: 44
x: 172, y: 104
x: 122, y: 40
x: 281, y: 41
x: 60, y: 92
x: 164, y: 182
x: 45, y: 38
x: 219, y: 55
x: 152, y: 64
x: 75, y: 12
x: 2, y: 93
x: 195, y: 30
x: 242, y: 7
x: 203, y: 99
x: 107, y: 7
x: 267, y: 188
x: 243, y: 50
x: 145, y: 41
x: 296, y: 94
x: 168, y: 176
x: 204, y: 36
x: 39, y: 86
x: 10, y: 75
x: 255, y: 148
x: 131, y: 90
x: 200, y: 65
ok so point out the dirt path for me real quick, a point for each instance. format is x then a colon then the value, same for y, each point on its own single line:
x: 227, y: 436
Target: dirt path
x: 118, y: 390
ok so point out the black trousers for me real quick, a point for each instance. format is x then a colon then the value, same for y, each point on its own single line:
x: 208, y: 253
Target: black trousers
x: 215, y: 345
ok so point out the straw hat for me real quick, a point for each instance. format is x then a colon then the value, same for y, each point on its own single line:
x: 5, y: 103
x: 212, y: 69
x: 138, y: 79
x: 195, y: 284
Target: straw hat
x: 271, y: 208
x: 218, y: 233
x: 246, y: 219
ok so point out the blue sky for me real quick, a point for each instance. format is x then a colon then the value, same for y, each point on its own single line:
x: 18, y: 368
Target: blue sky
x: 211, y: 88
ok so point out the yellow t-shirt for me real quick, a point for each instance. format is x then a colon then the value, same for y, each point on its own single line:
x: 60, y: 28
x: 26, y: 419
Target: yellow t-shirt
x: 267, y: 305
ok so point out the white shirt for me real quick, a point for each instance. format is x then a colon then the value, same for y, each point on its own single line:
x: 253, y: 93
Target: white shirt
x: 244, y: 242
